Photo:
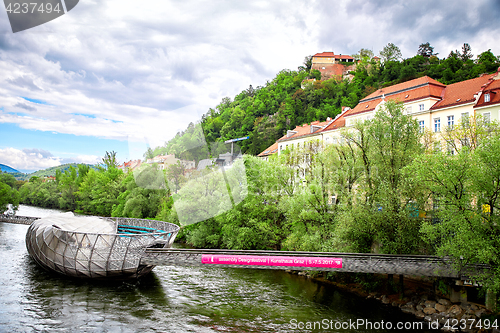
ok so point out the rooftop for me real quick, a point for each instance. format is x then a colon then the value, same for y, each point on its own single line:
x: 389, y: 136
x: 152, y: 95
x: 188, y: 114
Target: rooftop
x: 332, y: 55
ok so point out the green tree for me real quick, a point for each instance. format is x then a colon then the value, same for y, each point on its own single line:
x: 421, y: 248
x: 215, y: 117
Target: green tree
x: 390, y: 52
x: 149, y: 154
x: 466, y: 52
x: 175, y: 176
x: 8, y: 194
x: 381, y: 148
x: 307, y: 64
x: 109, y: 160
x: 426, y: 50
x: 98, y: 192
x: 68, y: 186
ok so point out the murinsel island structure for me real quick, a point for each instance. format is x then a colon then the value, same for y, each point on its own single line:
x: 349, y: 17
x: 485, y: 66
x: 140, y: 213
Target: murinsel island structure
x: 93, y: 247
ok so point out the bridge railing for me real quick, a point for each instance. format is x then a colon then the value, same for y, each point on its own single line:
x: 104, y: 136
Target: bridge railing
x: 18, y: 219
x: 416, y: 265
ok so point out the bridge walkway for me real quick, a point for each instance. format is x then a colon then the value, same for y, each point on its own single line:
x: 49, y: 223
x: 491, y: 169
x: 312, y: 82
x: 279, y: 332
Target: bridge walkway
x: 415, y: 265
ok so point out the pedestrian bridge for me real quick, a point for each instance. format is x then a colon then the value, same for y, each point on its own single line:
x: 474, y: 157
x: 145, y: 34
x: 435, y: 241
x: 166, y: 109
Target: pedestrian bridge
x: 414, y: 265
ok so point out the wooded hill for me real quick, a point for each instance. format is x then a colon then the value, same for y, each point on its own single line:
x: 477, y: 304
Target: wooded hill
x: 49, y: 172
x: 266, y: 113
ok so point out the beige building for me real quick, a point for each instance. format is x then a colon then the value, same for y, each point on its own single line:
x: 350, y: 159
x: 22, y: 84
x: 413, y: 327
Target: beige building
x: 434, y: 105
x: 164, y: 161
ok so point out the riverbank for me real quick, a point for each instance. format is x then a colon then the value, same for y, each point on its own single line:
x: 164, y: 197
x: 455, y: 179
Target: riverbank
x: 420, y: 299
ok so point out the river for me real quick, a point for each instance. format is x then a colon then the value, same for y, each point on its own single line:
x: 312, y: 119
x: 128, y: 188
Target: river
x: 175, y: 299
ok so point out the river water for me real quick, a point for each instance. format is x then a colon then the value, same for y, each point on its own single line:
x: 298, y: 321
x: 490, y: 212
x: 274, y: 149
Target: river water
x: 175, y: 299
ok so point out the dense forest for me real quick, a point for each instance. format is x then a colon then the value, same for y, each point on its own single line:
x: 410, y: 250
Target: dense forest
x: 266, y: 113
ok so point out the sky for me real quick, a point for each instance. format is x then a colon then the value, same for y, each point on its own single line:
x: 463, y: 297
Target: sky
x: 124, y: 75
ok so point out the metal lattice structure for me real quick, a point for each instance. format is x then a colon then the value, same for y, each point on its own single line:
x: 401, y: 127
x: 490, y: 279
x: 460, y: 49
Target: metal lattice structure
x: 93, y: 247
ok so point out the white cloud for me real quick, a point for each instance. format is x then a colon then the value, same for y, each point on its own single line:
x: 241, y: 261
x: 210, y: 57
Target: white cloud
x: 27, y: 160
x: 144, y: 71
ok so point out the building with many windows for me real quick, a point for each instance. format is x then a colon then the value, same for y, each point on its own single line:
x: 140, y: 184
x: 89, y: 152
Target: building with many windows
x: 435, y: 106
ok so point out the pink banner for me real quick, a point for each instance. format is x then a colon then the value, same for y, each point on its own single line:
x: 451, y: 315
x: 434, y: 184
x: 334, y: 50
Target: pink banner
x: 222, y: 259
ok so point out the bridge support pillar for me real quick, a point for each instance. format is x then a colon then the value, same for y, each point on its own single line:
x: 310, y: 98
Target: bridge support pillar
x: 389, y: 284
x: 491, y: 300
x: 401, y: 286
x: 458, y: 294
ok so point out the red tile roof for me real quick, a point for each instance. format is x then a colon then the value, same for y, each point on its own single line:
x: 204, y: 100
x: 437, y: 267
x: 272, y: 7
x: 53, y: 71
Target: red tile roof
x: 269, y: 151
x: 306, y: 130
x: 461, y: 92
x: 324, y: 54
x: 332, y: 55
x: 408, y: 85
x: 338, y: 122
x: 424, y: 87
x: 412, y: 90
x: 492, y: 87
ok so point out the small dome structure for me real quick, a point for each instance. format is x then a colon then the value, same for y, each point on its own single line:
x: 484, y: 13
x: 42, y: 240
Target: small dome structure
x: 96, y: 247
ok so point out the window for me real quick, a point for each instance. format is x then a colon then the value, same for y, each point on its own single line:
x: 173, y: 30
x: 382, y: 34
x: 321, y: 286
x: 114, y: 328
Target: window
x: 437, y: 124
x: 451, y: 122
x: 421, y: 107
x: 486, y: 98
x: 486, y: 117
x: 422, y: 126
x: 465, y: 119
x: 465, y: 142
x: 437, y: 147
x: 281, y: 147
x: 435, y: 202
x: 450, y: 148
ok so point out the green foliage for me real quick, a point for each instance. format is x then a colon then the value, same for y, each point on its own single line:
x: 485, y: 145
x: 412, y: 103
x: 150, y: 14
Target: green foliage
x: 390, y: 52
x: 109, y: 160
x: 379, y: 174
x: 49, y: 172
x: 8, y: 193
x: 464, y: 188
x: 98, y: 193
x: 425, y: 50
x: 144, y: 192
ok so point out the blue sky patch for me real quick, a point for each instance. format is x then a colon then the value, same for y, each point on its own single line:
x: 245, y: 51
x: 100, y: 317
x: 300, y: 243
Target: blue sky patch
x: 37, y: 101
x: 85, y: 115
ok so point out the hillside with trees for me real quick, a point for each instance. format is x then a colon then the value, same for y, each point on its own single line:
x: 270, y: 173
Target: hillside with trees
x: 265, y: 113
